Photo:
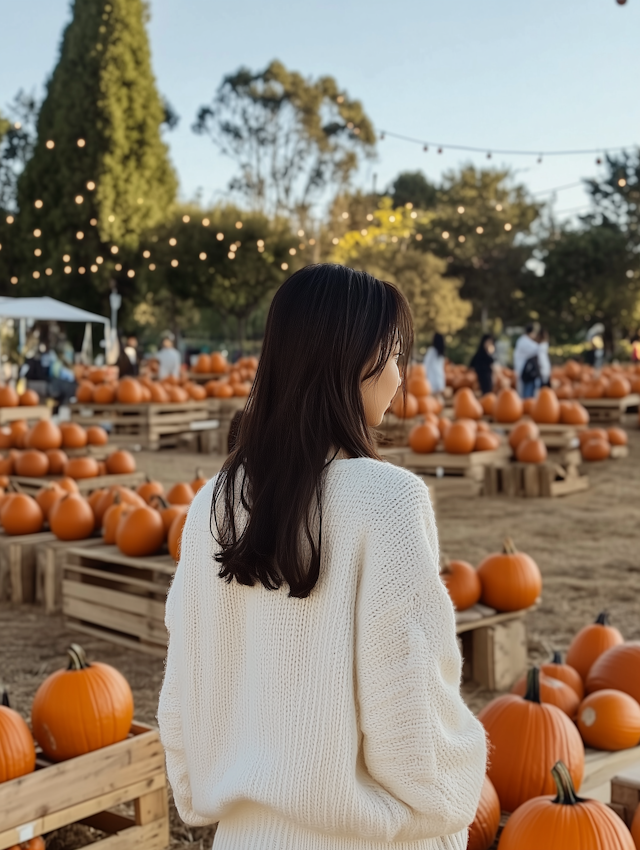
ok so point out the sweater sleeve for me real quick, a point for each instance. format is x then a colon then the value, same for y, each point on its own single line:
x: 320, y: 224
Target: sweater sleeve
x: 420, y: 741
x: 175, y: 690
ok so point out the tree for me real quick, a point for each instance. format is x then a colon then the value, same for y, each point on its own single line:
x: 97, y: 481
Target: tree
x: 17, y: 139
x: 389, y: 249
x: 100, y: 174
x: 412, y: 187
x: 223, y: 258
x: 481, y: 225
x: 291, y: 138
x: 616, y: 198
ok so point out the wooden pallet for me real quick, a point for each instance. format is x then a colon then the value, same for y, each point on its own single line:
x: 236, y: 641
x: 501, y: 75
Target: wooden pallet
x: 28, y: 412
x: 493, y: 646
x: 117, y: 598
x: 85, y: 485
x: 610, y: 410
x: 18, y: 565
x: 50, y: 558
x: 394, y: 431
x: 87, y: 789
x: 625, y: 792
x: 205, y: 377
x: 223, y: 409
x: 553, y: 436
x: 441, y: 464
x: 147, y: 425
x: 531, y: 480
x: 601, y: 767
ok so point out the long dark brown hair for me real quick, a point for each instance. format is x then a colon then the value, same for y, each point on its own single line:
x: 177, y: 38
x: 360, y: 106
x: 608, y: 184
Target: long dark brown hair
x: 329, y: 328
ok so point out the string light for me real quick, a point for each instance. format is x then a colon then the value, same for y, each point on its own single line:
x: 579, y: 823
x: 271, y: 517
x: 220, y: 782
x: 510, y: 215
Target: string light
x: 79, y: 199
x: 345, y: 215
x: 238, y: 224
x: 14, y: 280
x: 392, y: 218
x: 507, y: 226
x: 94, y: 268
x: 498, y: 207
x: 37, y: 252
x: 37, y: 232
x: 284, y: 266
x: 622, y: 182
x: 461, y: 238
x: 93, y: 222
x: 118, y: 267
x: 173, y: 241
x: 114, y: 249
x: 414, y: 215
x: 174, y: 263
x: 260, y: 249
x: 79, y: 235
x: 48, y: 272
x: 480, y: 230
x: 186, y: 219
x: 146, y: 254
x: 91, y: 185
x: 460, y: 210
x: 231, y: 255
x: 152, y: 267
x: 335, y: 240
x: 301, y: 233
x: 205, y: 222
x: 260, y: 243
x: 131, y: 273
x: 418, y: 237
x: 202, y: 255
x: 36, y: 275
x: 394, y: 238
x: 66, y: 258
x: 99, y: 260
x: 38, y: 204
x: 219, y: 236
x: 369, y: 217
x: 140, y: 200
x: 112, y: 218
x: 10, y: 219
x: 81, y: 143
x: 445, y: 234
x: 312, y: 241
x: 364, y: 231
x: 50, y: 144
x: 67, y: 269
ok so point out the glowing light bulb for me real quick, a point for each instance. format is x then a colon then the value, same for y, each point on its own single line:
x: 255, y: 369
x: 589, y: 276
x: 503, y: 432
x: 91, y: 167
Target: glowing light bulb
x: 114, y: 249
x: 622, y: 182
x: 392, y: 218
x: 81, y: 143
x: 37, y: 252
x: 312, y: 241
x: 260, y: 243
x: 205, y: 222
x: 131, y: 273
x: 479, y: 229
x: 364, y: 231
x: 50, y: 144
x: 202, y: 255
x: 461, y: 238
x: 14, y: 280
x: 91, y: 185
x: 186, y: 219
x: 414, y: 214
x: 48, y: 272
x: 369, y: 217
x: 418, y: 237
x: 231, y: 255
x: 38, y: 204
x: 79, y: 235
x: 445, y: 234
x: 67, y: 269
x: 335, y: 240
x: 112, y: 218
x: 99, y: 260
x: 498, y: 207
x: 174, y: 263
x: 66, y: 258
x: 292, y: 251
x: 37, y: 232
x: 152, y: 267
x: 173, y: 241
x: 81, y: 270
x: 93, y: 222
x: 507, y: 226
x: 146, y: 254
x: 345, y: 215
x: 219, y: 236
x: 238, y: 224
x: 36, y: 275
x: 94, y: 268
x: 301, y: 233
x: 284, y: 266
x: 10, y: 219
x: 118, y: 267
x: 79, y: 199
x: 460, y: 210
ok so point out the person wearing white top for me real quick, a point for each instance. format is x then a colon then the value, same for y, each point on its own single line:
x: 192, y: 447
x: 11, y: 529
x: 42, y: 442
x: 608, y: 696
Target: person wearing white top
x: 526, y: 347
x: 311, y: 698
x: 543, y: 358
x: 434, y: 364
x: 169, y: 360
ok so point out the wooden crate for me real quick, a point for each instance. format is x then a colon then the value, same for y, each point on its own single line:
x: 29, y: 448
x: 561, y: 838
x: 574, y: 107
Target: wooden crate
x: 28, y: 412
x: 222, y: 410
x: 86, y: 789
x: 147, y: 425
x: 117, y: 598
x: 601, y: 767
x: 553, y: 436
x: 442, y: 464
x: 493, y: 645
x: 86, y: 485
x: 625, y: 791
x: 18, y: 565
x: 610, y: 410
x: 394, y: 431
x: 531, y: 480
x: 50, y: 559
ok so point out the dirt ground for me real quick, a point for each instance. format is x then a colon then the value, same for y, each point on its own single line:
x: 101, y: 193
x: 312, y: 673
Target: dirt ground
x: 587, y: 547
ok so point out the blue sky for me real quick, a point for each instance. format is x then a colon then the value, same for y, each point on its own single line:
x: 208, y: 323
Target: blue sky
x: 525, y: 74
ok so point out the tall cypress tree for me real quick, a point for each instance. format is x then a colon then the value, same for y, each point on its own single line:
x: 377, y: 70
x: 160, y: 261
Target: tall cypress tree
x: 100, y: 173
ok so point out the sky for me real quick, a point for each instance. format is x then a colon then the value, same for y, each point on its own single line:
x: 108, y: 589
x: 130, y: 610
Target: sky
x: 535, y: 75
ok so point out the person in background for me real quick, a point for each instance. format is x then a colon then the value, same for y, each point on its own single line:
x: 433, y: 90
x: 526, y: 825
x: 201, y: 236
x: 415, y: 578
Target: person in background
x: 131, y: 350
x: 483, y: 362
x: 124, y: 364
x: 525, y: 362
x: 544, y: 362
x: 168, y: 358
x: 635, y: 348
x: 434, y: 365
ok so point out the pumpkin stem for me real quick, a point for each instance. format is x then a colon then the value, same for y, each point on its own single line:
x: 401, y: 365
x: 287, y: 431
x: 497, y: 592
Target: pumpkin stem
x: 4, y: 697
x: 160, y: 499
x: 602, y: 619
x: 533, y: 685
x: 509, y: 547
x: 557, y: 658
x: 77, y: 658
x: 566, y: 792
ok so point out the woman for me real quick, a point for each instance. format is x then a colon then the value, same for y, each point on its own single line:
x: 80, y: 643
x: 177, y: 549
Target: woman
x: 311, y: 697
x: 544, y: 362
x: 482, y: 362
x: 434, y: 365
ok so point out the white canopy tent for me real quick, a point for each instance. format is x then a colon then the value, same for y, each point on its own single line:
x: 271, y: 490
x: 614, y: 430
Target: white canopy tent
x: 45, y: 309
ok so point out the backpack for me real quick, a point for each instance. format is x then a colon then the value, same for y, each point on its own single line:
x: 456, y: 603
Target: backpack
x: 531, y: 370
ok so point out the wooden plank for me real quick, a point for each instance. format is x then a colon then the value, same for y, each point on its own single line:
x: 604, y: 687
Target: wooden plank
x: 50, y: 558
x: 18, y: 565
x: 151, y: 836
x: 492, y: 620
x: 155, y: 586
x: 104, y: 596
x: 499, y: 654
x: 625, y: 792
x: 570, y: 486
x: 631, y: 400
x: 149, y: 648
x: 27, y: 412
x: 151, y: 807
x: 619, y: 452
x: 112, y: 555
x: 85, y: 485
x: 601, y: 766
x: 119, y: 621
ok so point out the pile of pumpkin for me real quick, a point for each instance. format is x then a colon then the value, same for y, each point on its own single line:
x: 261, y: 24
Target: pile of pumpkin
x: 141, y: 390
x: 577, y: 380
x: 10, y: 398
x: 537, y: 735
x: 458, y: 376
x: 236, y: 380
x: 42, y: 450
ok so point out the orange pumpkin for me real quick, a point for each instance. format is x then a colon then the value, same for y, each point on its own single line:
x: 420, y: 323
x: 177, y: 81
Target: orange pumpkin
x: 552, y: 691
x: 196, y: 392
x: 98, y: 708
x: 74, y: 436
x: 462, y: 582
x: 635, y: 828
x: 523, y: 431
x: 19, y: 433
x: 592, y: 434
x: 424, y: 438
x: 148, y: 489
x: 97, y: 436
x: 32, y: 463
x: 202, y: 364
x: 404, y: 409
x: 617, y: 436
x: 174, y: 538
x: 167, y: 512
x: 546, y: 409
x: 129, y: 391
x: 418, y: 386
x: 140, y: 532
x: 595, y: 449
x: 565, y: 672
x: 122, y: 494
x: 8, y: 396
x: 460, y: 438
x: 200, y: 480
x: 466, y: 405
x: 57, y: 460
x: 81, y: 467
x: 218, y: 363
x: 609, y: 720
x: 180, y: 494
x: 47, y: 496
x: 488, y: 403
x: 6, y: 465
x: 483, y: 830
x: 17, y: 751
x: 572, y: 370
x: 85, y: 392
x: 531, y: 451
x: 618, y: 668
x: 71, y: 518
x: 158, y: 394
x: 526, y: 738
x: 21, y: 514
x: 29, y: 398
x: 573, y: 413
x: 486, y: 441
x: 618, y: 387
x: 104, y: 394
x: 564, y: 821
x: 44, y: 435
x: 111, y: 520
x: 68, y: 484
x: 590, y: 643
x: 6, y: 438
x: 510, y: 579
x: 508, y: 406
x: 121, y: 463
x: 177, y: 395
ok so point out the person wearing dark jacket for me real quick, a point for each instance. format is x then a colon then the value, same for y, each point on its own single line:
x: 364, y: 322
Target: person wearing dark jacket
x: 482, y: 362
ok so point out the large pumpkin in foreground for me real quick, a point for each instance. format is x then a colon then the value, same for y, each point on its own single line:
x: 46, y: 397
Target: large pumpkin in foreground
x: 483, y: 830
x: 510, y: 580
x: 526, y: 739
x: 565, y: 822
x: 609, y: 720
x: 81, y: 709
x: 17, y: 751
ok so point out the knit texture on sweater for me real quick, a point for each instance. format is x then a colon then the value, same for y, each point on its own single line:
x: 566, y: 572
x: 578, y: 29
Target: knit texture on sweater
x: 333, y: 722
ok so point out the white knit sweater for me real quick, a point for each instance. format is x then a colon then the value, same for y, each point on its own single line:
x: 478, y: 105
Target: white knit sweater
x: 333, y: 722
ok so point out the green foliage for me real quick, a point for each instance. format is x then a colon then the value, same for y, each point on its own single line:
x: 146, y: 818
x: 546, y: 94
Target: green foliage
x: 412, y: 187
x: 486, y: 243
x: 616, y: 198
x: 108, y: 175
x: 389, y: 249
x: 591, y: 275
x: 234, y: 274
x: 291, y: 138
